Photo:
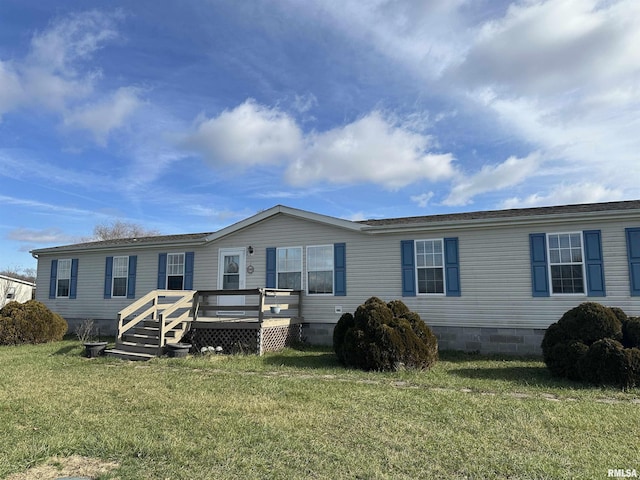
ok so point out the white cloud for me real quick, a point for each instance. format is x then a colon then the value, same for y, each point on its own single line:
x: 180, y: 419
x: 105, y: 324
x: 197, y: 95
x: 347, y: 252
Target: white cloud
x: 493, y: 177
x: 47, y: 235
x: 103, y: 117
x: 371, y: 149
x: 250, y: 134
x: 423, y: 199
x: 547, y: 47
x: 566, y: 194
x: 53, y: 76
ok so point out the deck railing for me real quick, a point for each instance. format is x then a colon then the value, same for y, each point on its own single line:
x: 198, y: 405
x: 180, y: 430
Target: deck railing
x: 169, y: 307
x: 247, y: 304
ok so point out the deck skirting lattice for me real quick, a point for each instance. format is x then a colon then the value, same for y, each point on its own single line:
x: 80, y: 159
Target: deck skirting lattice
x: 255, y: 339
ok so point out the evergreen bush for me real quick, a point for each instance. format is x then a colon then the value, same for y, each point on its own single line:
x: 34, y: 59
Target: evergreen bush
x: 384, y: 336
x: 588, y: 344
x: 30, y: 322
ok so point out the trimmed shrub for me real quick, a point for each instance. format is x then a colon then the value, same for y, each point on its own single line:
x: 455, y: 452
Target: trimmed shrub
x: 631, y: 332
x: 30, y: 322
x: 588, y: 343
x: 632, y: 378
x: 604, y: 363
x: 384, y: 336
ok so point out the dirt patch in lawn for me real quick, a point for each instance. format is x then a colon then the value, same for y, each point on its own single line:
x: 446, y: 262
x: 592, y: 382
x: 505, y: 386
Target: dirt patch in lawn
x: 73, y: 466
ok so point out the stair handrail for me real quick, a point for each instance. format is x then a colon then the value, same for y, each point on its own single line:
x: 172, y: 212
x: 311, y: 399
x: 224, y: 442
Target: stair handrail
x: 152, y: 310
x: 185, y: 301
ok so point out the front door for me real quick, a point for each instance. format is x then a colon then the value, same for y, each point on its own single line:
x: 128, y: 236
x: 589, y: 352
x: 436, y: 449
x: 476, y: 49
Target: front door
x: 231, y: 276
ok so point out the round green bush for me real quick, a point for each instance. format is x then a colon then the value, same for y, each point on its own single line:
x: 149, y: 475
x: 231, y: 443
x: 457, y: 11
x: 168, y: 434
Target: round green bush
x: 588, y: 344
x: 631, y: 332
x: 604, y: 363
x: 30, y: 322
x: 384, y: 336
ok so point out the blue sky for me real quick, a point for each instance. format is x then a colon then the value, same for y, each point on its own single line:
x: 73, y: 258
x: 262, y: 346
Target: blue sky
x: 188, y: 116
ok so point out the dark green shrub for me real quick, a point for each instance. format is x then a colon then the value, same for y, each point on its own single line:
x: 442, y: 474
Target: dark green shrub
x: 633, y: 367
x: 631, y: 332
x: 345, y: 323
x: 381, y: 336
x: 604, y: 363
x: 588, y: 343
x: 589, y: 322
x: 30, y: 322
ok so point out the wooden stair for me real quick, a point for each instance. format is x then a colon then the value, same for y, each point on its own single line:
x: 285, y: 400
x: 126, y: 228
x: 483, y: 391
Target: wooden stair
x: 142, y: 341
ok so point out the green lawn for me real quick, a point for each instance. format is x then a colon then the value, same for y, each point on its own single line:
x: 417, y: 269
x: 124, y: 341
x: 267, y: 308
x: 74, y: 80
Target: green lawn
x: 300, y: 415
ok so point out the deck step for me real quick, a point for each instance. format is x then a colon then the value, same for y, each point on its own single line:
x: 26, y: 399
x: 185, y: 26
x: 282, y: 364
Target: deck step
x: 126, y: 355
x: 137, y: 347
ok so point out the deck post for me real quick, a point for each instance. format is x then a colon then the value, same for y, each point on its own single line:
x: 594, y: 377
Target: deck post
x: 261, y: 306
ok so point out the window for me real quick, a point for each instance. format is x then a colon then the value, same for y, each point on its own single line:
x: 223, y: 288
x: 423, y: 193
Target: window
x: 565, y: 263
x: 64, y: 278
x: 120, y: 276
x: 320, y: 269
x: 430, y: 266
x: 175, y: 271
x: 289, y: 268
x: 11, y: 292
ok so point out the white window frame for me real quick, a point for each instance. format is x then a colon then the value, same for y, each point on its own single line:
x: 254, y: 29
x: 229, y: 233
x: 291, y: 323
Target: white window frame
x: 333, y: 269
x: 59, y: 276
x: 425, y: 267
x: 169, y: 274
x: 582, y: 263
x: 300, y: 271
x: 125, y: 276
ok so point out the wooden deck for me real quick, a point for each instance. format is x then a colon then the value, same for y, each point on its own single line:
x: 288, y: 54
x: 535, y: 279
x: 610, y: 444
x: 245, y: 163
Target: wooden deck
x: 244, y: 320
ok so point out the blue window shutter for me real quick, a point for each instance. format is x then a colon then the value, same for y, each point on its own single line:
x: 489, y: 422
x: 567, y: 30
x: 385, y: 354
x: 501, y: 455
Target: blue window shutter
x: 108, y: 275
x: 131, y: 284
x: 53, y: 284
x: 452, y: 265
x: 633, y: 253
x: 539, y: 276
x: 73, y: 287
x: 162, y: 271
x: 189, y: 265
x: 594, y: 264
x: 340, y: 269
x: 271, y: 267
x: 408, y: 268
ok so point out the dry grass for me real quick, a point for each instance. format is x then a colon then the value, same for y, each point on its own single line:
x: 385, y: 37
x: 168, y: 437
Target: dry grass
x: 300, y: 415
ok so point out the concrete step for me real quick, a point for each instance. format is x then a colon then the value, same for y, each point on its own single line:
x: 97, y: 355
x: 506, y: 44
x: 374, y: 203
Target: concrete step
x: 125, y: 355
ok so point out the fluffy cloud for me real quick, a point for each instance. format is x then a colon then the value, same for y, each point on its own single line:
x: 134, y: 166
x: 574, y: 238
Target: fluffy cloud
x: 492, y: 177
x: 547, y: 47
x: 371, y: 149
x: 250, y: 134
x: 102, y: 117
x: 53, y: 76
x: 51, y: 236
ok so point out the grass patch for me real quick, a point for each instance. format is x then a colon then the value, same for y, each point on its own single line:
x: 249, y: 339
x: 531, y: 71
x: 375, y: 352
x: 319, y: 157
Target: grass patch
x: 298, y: 414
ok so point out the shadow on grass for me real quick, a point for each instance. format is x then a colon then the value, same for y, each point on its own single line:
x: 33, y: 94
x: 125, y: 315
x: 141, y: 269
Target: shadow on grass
x: 458, y: 356
x: 310, y: 360
x: 65, y: 350
x: 518, y: 375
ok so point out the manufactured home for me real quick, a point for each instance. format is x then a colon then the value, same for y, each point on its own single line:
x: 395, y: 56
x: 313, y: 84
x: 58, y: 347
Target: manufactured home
x: 489, y: 281
x: 15, y: 290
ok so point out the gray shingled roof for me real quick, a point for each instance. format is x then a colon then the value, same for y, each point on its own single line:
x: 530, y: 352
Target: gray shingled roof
x: 513, y: 213
x: 408, y: 221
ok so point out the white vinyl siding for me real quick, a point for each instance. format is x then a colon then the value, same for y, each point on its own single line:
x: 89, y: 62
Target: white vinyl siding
x: 430, y: 266
x: 63, y: 278
x: 566, y: 266
x: 320, y: 270
x: 175, y: 271
x: 289, y: 267
x: 120, y: 276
